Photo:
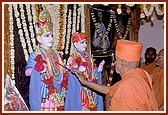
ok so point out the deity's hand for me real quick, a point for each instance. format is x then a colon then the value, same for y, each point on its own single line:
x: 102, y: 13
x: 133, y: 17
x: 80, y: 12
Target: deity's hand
x: 100, y: 68
x: 28, y: 71
x: 82, y: 68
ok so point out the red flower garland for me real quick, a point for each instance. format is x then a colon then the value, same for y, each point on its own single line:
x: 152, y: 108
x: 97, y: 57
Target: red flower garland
x: 39, y: 66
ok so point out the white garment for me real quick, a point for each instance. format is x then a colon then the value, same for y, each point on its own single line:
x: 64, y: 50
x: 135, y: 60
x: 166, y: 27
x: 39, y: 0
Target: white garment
x: 96, y: 39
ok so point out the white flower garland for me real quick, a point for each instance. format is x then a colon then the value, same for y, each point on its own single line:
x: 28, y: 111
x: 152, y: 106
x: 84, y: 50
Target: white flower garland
x: 34, y: 22
x: 82, y: 18
x: 148, y: 13
x: 12, y: 49
x: 78, y: 17
x: 65, y: 23
x: 68, y: 32
x: 74, y: 19
x: 20, y: 32
x: 158, y: 11
x: 28, y: 39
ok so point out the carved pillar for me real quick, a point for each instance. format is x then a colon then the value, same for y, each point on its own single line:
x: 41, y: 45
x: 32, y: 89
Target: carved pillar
x: 7, y: 66
x: 87, y: 25
x: 135, y: 24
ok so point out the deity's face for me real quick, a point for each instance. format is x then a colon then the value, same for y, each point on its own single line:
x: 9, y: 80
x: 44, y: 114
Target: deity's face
x: 81, y: 45
x: 46, y: 39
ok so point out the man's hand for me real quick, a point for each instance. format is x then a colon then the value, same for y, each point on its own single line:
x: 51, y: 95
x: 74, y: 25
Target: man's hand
x: 79, y: 75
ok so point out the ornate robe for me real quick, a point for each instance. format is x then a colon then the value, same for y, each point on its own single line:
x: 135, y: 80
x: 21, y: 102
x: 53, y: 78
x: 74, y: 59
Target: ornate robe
x: 45, y: 94
x: 83, y: 98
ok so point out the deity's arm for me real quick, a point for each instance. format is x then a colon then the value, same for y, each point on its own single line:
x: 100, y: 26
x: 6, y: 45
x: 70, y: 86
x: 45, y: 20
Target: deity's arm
x: 30, y: 64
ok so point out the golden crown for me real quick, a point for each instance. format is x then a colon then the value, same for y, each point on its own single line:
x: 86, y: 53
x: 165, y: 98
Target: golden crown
x: 45, y: 24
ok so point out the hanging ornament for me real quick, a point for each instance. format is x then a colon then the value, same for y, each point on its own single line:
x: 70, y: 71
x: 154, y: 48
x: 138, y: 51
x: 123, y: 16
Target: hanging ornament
x: 148, y: 9
x: 119, y: 11
x: 142, y: 15
x: 128, y: 10
x: 159, y: 9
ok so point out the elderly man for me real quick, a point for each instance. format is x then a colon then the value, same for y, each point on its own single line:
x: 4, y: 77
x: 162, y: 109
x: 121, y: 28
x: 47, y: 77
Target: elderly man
x: 134, y: 91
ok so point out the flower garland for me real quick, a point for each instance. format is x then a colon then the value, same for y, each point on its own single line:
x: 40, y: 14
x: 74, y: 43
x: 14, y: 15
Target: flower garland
x: 65, y: 24
x: 28, y: 40
x: 78, y: 18
x: 98, y: 29
x: 68, y: 31
x: 111, y: 71
x: 12, y: 49
x: 148, y: 9
x: 85, y: 60
x: 34, y: 22
x: 117, y: 26
x: 74, y: 19
x: 20, y: 32
x: 159, y: 9
x: 51, y: 74
x: 82, y: 18
x: 55, y: 16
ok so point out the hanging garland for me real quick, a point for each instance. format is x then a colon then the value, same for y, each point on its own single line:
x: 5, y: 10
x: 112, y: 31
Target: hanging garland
x: 25, y: 30
x: 148, y: 9
x: 111, y: 71
x: 112, y: 17
x: 20, y: 32
x: 68, y: 31
x: 34, y: 22
x: 82, y: 18
x: 118, y: 29
x: 159, y: 9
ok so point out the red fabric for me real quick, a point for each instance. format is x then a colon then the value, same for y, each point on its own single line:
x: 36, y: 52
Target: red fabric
x: 76, y: 37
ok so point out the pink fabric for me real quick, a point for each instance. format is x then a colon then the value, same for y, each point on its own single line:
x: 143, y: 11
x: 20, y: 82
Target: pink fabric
x: 28, y: 71
x: 76, y: 37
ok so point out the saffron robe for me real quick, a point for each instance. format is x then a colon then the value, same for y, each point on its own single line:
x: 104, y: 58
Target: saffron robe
x: 158, y: 84
x: 133, y: 93
x: 149, y: 68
